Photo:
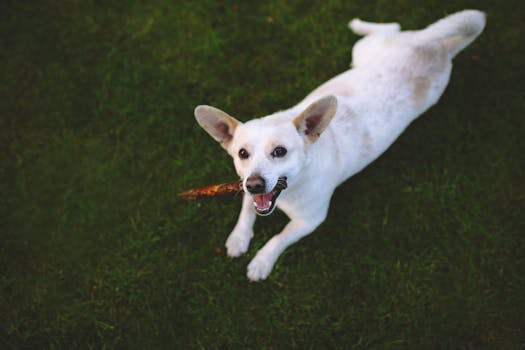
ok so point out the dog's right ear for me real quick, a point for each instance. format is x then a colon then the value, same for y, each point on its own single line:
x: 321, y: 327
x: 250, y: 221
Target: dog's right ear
x: 218, y: 124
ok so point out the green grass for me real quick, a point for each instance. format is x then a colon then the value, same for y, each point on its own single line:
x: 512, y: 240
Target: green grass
x: 423, y: 249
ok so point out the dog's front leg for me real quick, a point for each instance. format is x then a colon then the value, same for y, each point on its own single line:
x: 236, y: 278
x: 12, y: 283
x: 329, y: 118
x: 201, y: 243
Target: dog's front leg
x: 239, y: 240
x: 261, y: 266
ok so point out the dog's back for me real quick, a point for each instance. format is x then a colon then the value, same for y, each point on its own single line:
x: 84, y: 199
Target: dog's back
x: 396, y: 77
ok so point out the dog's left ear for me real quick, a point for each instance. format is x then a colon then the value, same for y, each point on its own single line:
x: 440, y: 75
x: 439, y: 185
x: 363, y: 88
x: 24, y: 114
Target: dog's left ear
x: 217, y: 123
x: 316, y: 117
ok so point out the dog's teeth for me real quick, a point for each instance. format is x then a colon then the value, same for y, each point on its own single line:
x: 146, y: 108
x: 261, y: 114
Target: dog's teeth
x: 257, y: 207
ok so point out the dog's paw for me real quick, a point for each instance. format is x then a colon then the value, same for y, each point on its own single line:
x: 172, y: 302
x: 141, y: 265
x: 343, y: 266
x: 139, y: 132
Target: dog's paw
x: 236, y: 246
x: 259, y: 269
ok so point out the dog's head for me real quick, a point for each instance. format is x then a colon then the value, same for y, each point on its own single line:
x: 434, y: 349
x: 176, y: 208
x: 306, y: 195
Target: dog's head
x: 268, y: 153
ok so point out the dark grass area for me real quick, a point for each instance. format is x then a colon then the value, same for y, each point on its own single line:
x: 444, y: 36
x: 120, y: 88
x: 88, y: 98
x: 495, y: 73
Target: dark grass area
x: 423, y: 249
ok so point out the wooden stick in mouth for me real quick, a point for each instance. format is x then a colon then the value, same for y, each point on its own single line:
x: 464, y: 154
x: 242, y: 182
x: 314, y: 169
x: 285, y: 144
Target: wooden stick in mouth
x: 224, y: 189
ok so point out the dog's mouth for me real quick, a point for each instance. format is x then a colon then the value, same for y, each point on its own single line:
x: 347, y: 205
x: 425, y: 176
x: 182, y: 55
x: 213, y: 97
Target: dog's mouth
x: 264, y: 204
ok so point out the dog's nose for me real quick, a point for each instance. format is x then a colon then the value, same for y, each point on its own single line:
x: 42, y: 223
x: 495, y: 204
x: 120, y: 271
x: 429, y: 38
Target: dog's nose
x: 255, y: 184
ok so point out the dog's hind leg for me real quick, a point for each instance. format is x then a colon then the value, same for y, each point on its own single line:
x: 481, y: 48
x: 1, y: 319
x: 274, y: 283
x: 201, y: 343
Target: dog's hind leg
x: 365, y: 28
x: 373, y: 43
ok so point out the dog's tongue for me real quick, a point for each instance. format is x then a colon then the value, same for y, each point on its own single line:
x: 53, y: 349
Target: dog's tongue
x: 262, y: 201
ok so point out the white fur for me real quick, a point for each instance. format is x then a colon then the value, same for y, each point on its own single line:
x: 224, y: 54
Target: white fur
x: 396, y: 76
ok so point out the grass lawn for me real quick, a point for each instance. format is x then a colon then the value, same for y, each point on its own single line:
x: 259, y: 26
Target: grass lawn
x: 423, y: 249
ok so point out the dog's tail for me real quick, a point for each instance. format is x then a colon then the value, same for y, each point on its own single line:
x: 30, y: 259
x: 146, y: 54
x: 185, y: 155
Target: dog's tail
x: 455, y: 31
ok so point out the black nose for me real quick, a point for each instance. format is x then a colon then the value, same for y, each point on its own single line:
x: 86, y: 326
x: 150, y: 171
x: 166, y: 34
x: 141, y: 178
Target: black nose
x: 255, y: 184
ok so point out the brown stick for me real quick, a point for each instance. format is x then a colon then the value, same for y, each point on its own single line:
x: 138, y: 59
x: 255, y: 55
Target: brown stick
x: 223, y: 189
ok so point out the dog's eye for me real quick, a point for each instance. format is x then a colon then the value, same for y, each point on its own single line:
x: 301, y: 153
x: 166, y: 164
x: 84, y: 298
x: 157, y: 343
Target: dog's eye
x: 279, y: 152
x: 243, y: 154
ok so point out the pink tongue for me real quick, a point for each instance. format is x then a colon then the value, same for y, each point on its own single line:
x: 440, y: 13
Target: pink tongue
x: 262, y: 201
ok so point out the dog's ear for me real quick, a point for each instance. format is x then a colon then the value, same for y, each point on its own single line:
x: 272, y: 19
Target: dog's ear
x: 216, y: 123
x: 316, y: 117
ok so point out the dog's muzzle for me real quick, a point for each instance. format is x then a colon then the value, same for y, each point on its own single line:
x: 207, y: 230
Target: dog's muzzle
x: 264, y: 203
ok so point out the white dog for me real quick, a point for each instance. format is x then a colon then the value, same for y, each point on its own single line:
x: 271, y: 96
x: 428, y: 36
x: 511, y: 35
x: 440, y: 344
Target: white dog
x: 294, y: 159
